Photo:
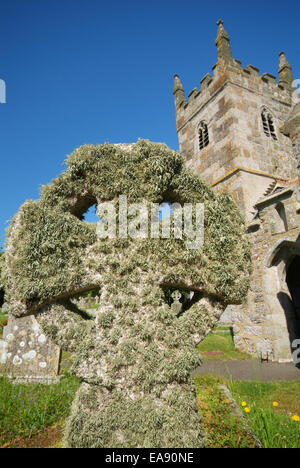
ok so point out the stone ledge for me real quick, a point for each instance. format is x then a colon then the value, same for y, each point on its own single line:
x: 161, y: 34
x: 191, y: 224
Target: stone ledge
x: 244, y: 169
x: 276, y: 195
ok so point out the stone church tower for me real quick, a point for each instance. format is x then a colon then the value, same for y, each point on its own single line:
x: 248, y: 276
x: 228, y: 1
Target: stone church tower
x: 241, y: 132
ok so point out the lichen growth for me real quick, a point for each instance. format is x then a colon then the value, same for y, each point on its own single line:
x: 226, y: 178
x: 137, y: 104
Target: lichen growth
x: 135, y: 359
x: 2, y: 278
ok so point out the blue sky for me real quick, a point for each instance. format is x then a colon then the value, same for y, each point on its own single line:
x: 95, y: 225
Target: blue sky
x: 90, y: 71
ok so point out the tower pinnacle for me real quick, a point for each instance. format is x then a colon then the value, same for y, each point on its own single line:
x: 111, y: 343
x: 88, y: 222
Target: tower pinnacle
x: 223, y: 43
x: 178, y: 92
x: 285, y: 72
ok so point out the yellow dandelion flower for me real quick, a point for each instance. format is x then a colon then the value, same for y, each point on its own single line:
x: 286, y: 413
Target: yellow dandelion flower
x: 295, y: 417
x: 244, y: 403
x: 275, y: 403
x: 247, y: 410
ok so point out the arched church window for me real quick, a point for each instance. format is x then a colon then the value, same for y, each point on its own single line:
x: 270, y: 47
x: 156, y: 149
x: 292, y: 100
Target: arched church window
x: 268, y: 124
x: 203, y: 135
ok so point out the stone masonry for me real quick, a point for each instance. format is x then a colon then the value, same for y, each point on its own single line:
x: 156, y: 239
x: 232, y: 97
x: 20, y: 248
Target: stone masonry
x: 266, y: 324
x: 253, y: 151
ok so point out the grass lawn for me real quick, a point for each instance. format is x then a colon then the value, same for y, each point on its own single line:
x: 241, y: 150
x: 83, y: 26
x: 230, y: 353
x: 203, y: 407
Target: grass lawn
x: 223, y: 429
x: 26, y: 410
x: 33, y: 415
x: 220, y: 346
x: 275, y: 426
x: 274, y: 411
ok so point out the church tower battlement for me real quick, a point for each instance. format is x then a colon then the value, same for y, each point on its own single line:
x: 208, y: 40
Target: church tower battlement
x: 230, y: 129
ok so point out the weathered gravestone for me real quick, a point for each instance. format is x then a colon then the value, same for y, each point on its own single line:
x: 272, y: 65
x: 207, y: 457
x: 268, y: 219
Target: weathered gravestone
x: 27, y: 355
x: 135, y: 358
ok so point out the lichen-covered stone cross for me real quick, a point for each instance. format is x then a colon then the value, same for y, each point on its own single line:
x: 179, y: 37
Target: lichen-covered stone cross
x: 135, y: 359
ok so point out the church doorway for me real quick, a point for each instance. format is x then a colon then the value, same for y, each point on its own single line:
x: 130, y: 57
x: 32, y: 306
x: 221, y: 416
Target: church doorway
x: 293, y: 283
x: 282, y: 298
